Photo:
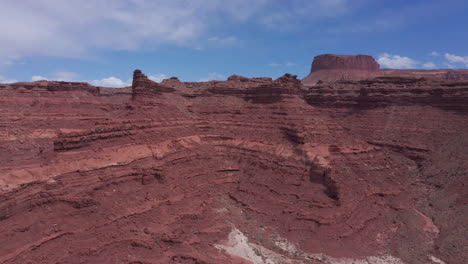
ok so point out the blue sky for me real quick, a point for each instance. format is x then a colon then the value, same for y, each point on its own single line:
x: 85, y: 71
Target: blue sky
x: 103, y: 41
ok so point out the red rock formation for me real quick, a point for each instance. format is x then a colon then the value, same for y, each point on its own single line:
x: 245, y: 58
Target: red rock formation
x: 143, y: 86
x: 344, y: 62
x: 451, y: 75
x: 247, y: 170
x: 330, y: 67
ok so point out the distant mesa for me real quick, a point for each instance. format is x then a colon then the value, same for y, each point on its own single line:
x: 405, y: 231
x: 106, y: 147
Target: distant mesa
x: 331, y: 67
x: 345, y: 62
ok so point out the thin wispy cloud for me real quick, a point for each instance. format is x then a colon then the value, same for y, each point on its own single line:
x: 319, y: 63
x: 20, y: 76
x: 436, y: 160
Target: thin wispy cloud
x: 73, y: 29
x: 299, y: 11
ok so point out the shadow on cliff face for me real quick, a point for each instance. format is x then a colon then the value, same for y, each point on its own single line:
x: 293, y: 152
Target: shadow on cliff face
x: 321, y: 175
x: 317, y: 173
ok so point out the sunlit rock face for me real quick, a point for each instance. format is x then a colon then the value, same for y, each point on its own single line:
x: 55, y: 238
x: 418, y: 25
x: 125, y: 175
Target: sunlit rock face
x: 344, y: 62
x: 331, y: 67
x: 247, y: 170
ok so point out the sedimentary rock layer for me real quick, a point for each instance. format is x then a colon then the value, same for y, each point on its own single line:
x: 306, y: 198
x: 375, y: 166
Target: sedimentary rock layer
x: 249, y: 170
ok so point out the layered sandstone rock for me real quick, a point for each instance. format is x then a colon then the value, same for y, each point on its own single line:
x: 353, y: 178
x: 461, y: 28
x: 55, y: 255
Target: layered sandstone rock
x: 450, y: 75
x: 330, y: 67
x: 248, y: 170
x: 142, y: 85
x: 344, y: 62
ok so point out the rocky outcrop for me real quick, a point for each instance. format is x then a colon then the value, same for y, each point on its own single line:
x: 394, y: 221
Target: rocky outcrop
x: 142, y: 85
x: 247, y: 170
x: 53, y: 86
x: 330, y: 67
x: 449, y: 75
x: 391, y: 91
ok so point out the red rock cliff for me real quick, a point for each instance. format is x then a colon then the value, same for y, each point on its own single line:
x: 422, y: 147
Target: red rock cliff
x: 143, y: 85
x: 370, y: 171
x: 344, y: 62
x: 330, y: 67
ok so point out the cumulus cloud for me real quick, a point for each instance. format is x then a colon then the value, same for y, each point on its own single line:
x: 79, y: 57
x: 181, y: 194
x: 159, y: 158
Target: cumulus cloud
x: 429, y: 65
x: 38, y: 78
x: 111, y: 82
x: 396, y: 62
x: 62, y: 76
x: 6, y: 80
x: 435, y: 54
x: 157, y: 77
x: 455, y: 59
x: 213, y: 76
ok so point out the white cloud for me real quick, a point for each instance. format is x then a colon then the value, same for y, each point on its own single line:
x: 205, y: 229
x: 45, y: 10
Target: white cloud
x: 455, y: 59
x: 158, y: 77
x: 61, y: 76
x: 435, y: 54
x: 396, y: 62
x: 429, y: 65
x: 75, y: 29
x: 213, y: 76
x: 111, y: 82
x: 38, y: 78
x: 67, y: 76
x: 6, y: 80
